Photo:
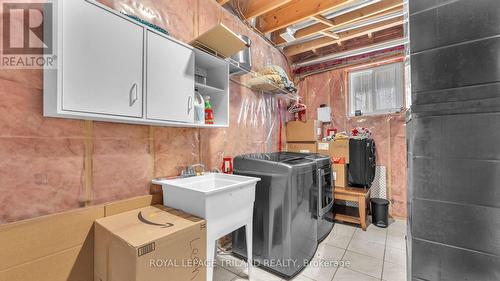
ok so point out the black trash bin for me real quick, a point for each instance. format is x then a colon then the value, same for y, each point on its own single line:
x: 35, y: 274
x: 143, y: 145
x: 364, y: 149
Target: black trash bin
x: 380, y: 212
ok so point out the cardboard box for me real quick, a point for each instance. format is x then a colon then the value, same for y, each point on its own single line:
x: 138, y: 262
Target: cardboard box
x: 337, y: 148
x: 340, y: 148
x: 340, y: 175
x: 302, y: 147
x: 324, y: 148
x: 152, y: 243
x: 60, y: 246
x: 298, y: 131
x: 55, y: 247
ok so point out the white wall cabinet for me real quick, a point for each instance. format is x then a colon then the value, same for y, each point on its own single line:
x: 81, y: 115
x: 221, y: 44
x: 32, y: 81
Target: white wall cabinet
x: 112, y: 68
x: 170, y: 80
x: 103, y: 60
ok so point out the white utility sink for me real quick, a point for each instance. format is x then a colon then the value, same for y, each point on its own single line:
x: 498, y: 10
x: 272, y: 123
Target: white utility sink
x: 224, y: 201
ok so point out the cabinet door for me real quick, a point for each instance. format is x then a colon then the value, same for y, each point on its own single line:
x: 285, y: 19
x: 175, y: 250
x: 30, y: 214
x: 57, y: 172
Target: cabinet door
x: 102, y: 61
x: 170, y: 80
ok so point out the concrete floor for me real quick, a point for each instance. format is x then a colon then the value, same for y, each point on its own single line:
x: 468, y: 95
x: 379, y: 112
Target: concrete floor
x: 375, y: 254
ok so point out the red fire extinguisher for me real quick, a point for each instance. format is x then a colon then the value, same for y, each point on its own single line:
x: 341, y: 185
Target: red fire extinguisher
x: 227, y: 165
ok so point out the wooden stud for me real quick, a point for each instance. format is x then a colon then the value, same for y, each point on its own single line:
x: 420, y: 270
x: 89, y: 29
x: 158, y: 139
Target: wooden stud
x: 347, y: 35
x: 296, y: 11
x: 196, y: 20
x: 151, y: 150
x: 389, y: 167
x: 89, y: 147
x: 378, y: 9
x: 257, y: 8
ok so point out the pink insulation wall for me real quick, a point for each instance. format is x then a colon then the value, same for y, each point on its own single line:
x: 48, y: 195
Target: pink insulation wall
x: 389, y: 132
x: 50, y: 165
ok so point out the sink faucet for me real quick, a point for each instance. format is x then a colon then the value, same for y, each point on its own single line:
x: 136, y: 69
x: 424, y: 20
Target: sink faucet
x: 193, y: 170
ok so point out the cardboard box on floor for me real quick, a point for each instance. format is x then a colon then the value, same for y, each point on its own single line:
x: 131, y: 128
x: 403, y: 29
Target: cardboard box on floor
x: 302, y: 147
x: 152, y: 243
x: 298, y: 131
x: 340, y: 175
x: 336, y: 148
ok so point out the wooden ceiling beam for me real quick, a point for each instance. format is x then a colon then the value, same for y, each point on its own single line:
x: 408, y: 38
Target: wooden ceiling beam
x: 296, y: 11
x: 257, y: 8
x: 377, y: 9
x: 310, y: 45
x: 344, y: 36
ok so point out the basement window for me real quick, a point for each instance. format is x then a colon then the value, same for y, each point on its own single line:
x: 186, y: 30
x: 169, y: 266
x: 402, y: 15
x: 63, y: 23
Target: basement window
x: 377, y: 90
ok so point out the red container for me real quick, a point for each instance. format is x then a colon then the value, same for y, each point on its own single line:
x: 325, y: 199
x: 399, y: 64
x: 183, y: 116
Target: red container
x: 330, y: 131
x: 227, y: 165
x: 338, y: 160
x: 209, y: 116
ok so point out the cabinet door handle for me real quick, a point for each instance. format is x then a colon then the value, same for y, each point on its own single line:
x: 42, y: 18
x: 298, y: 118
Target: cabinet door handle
x: 190, y: 104
x: 133, y: 94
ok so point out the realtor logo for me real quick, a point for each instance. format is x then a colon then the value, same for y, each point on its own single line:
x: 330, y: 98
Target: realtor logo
x: 27, y: 34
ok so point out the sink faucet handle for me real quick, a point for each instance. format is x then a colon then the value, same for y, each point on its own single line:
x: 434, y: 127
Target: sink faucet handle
x: 198, y: 169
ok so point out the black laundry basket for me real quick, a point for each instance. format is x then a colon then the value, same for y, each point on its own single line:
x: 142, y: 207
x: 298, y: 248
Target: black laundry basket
x: 380, y: 212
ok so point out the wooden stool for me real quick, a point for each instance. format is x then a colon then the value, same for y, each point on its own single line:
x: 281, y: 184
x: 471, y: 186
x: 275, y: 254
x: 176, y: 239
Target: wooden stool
x: 359, y: 195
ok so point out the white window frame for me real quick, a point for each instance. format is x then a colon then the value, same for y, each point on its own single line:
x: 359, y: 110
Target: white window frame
x: 399, y: 87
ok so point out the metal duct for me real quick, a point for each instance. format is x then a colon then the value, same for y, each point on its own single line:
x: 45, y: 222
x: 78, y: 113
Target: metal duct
x: 367, y: 22
x: 360, y: 51
x: 355, y: 6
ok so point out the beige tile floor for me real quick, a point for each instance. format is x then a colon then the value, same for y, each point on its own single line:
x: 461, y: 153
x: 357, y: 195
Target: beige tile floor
x: 374, y: 254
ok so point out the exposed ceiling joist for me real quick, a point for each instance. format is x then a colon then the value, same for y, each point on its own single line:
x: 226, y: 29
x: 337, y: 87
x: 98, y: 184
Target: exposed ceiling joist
x: 353, y: 16
x: 256, y: 8
x: 374, y: 10
x: 383, y: 45
x: 347, y: 35
x: 296, y: 11
x: 222, y: 2
x: 393, y: 33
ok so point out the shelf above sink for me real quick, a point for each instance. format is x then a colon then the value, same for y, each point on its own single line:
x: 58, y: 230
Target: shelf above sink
x: 208, y: 90
x: 250, y: 79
